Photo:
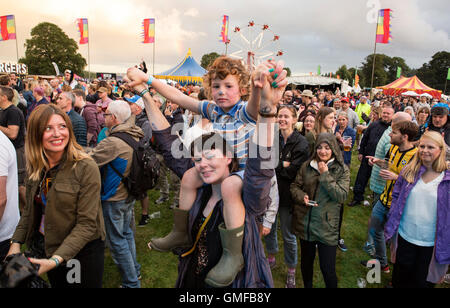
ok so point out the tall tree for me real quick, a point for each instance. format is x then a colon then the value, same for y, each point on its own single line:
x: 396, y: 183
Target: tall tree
x: 393, y: 64
x: 208, y: 59
x: 344, y: 73
x: 380, y: 73
x: 289, y: 72
x: 434, y: 73
x: 49, y: 44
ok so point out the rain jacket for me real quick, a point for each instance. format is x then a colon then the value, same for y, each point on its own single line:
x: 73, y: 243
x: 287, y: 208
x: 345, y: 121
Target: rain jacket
x: 73, y: 215
x: 115, y: 151
x: 441, y: 254
x: 329, y: 190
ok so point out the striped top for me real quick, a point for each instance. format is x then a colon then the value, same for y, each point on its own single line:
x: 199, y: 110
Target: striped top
x: 398, y: 161
x: 235, y: 126
x: 376, y: 182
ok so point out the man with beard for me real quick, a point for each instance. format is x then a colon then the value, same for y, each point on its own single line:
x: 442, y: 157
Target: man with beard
x: 399, y: 155
x: 367, y: 148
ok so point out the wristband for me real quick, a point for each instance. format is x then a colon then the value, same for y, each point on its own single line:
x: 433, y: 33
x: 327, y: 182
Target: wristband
x: 55, y: 260
x: 268, y: 115
x: 150, y: 80
x: 143, y: 92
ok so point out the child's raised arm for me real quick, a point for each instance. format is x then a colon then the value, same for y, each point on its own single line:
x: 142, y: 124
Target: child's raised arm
x: 138, y: 77
x: 276, y: 78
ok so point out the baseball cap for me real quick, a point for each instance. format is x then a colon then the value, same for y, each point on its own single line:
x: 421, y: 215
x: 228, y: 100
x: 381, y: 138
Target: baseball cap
x: 136, y: 100
x: 440, y: 109
x: 345, y: 99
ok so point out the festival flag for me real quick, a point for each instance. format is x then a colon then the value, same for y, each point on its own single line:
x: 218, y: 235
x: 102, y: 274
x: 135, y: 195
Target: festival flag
x: 384, y: 27
x: 399, y: 72
x: 149, y: 30
x: 448, y: 74
x: 318, y: 70
x: 7, y: 28
x: 356, y: 80
x: 83, y: 29
x: 224, y: 32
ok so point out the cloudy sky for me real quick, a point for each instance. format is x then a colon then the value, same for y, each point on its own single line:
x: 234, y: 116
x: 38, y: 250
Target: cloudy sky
x: 312, y: 32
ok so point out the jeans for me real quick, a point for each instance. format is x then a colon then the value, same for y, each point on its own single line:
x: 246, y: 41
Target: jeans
x: 120, y: 238
x: 369, y: 242
x: 289, y: 239
x: 376, y: 231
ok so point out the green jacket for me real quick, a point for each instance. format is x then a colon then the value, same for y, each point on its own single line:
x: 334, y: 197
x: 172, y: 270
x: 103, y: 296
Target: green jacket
x: 73, y: 215
x: 329, y: 190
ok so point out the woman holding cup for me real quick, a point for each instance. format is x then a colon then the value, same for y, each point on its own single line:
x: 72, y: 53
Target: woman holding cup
x: 346, y: 137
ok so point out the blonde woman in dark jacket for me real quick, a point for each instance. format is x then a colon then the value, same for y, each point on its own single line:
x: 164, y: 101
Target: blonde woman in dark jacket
x: 62, y: 219
x: 318, y: 192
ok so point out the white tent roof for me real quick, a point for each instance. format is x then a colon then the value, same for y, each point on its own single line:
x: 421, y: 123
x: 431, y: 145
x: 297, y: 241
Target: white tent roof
x: 313, y: 80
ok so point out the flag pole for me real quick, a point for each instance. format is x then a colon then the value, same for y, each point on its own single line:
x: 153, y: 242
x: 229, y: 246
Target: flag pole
x: 154, y: 48
x: 374, y: 56
x: 89, y: 51
x: 17, y: 46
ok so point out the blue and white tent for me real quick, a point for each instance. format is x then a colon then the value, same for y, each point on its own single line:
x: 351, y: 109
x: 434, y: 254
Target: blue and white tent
x: 188, y: 71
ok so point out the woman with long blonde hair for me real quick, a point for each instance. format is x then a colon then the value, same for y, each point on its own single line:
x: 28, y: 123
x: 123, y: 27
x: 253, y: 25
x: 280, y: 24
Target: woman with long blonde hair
x: 62, y: 219
x: 419, y: 217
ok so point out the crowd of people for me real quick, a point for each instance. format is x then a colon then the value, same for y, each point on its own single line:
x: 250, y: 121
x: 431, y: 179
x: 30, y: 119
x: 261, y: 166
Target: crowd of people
x: 63, y: 158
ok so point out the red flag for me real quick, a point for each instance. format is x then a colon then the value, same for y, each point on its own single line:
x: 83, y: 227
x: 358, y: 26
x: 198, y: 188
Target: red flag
x: 149, y: 30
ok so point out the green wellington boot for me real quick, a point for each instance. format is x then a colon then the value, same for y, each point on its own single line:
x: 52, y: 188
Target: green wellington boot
x: 178, y: 237
x: 231, y: 262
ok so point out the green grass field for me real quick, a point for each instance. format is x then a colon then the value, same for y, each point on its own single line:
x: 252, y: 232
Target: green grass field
x: 159, y: 270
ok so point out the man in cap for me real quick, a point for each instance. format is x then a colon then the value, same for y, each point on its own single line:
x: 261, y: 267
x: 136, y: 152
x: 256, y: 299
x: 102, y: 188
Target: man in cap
x: 307, y: 96
x: 353, y: 118
x: 104, y: 99
x: 69, y: 79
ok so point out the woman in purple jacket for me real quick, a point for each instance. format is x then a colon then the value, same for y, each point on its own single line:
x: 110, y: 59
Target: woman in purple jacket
x: 419, y: 218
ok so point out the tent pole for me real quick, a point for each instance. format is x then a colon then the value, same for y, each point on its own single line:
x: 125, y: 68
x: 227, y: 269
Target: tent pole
x: 17, y: 46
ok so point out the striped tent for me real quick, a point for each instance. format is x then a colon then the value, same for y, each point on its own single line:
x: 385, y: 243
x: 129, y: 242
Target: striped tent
x: 404, y: 84
x: 188, y: 71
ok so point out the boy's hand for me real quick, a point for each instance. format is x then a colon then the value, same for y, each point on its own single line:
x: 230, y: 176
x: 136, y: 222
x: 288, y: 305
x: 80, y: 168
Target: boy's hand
x: 136, y: 76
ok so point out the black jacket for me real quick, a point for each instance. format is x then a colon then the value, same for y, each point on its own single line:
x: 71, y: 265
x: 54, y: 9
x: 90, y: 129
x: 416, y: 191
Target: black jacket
x: 295, y: 151
x: 371, y: 137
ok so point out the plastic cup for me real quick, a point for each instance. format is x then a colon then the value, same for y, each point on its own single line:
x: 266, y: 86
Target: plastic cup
x: 347, y: 143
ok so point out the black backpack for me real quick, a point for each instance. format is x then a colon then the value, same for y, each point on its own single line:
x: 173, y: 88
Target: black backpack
x: 144, y: 170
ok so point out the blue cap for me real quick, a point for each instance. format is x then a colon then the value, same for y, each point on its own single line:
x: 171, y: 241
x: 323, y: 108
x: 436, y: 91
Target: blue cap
x: 133, y: 99
x: 440, y: 109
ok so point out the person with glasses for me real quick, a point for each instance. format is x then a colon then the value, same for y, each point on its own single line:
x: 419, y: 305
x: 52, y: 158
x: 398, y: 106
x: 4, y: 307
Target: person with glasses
x: 114, y: 158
